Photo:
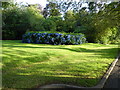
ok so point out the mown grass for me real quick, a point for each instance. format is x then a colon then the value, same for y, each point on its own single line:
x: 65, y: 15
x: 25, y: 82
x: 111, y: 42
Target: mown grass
x: 32, y: 65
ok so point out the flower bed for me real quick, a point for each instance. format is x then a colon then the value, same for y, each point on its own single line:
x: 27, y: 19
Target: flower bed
x: 53, y: 38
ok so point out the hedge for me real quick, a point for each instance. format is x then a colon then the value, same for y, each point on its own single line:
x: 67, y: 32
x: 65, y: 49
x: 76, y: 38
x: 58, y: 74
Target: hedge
x: 53, y: 38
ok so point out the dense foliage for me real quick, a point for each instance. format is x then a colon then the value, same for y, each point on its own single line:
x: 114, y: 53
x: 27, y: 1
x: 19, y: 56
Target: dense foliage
x: 99, y: 21
x: 15, y: 22
x: 18, y: 19
x: 54, y: 38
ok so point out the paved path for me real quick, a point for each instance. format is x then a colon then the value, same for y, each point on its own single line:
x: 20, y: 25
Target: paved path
x: 114, y: 78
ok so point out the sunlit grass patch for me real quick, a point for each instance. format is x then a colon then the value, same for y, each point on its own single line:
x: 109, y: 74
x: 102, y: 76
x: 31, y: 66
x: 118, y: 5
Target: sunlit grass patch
x: 31, y: 65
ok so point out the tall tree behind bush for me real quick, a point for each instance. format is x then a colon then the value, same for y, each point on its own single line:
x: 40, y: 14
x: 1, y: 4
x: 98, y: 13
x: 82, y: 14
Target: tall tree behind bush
x: 60, y: 23
x: 51, y: 9
x: 49, y: 25
x: 35, y: 18
x: 69, y: 21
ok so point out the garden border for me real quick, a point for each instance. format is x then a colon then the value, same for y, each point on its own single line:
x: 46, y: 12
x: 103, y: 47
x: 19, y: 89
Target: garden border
x: 99, y: 85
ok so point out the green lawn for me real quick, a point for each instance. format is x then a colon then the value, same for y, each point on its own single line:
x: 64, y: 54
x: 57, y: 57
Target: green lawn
x: 31, y: 65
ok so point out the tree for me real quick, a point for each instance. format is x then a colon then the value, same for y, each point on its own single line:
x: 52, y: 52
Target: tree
x: 17, y: 19
x: 60, y: 26
x: 69, y: 21
x: 7, y: 4
x: 105, y: 23
x: 35, y: 18
x: 49, y: 25
x: 51, y: 9
x: 15, y: 22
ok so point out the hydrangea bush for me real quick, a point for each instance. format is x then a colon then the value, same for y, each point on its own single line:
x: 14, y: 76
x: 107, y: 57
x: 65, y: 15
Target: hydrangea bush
x: 54, y: 38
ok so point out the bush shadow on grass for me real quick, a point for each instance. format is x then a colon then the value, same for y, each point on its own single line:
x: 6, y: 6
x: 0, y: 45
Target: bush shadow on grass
x: 103, y: 52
